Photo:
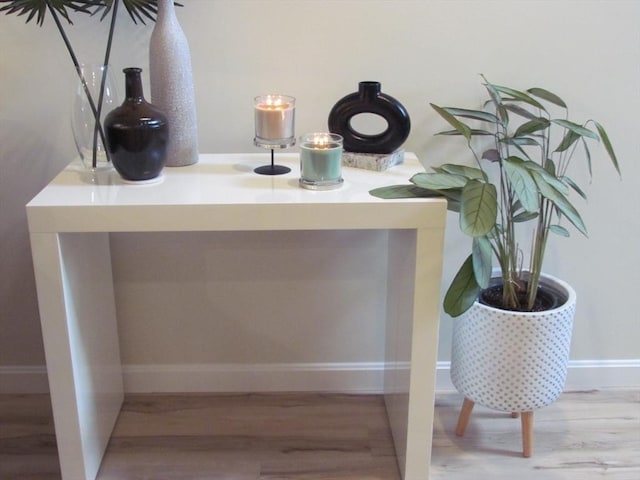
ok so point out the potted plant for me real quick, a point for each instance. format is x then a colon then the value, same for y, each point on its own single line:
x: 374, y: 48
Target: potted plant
x: 512, y: 324
x: 138, y: 10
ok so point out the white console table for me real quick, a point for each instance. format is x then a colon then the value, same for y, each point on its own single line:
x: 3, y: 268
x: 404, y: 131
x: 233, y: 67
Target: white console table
x: 70, y: 222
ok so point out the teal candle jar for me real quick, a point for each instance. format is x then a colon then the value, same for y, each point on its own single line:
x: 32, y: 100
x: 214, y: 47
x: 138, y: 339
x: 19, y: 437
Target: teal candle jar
x: 321, y: 161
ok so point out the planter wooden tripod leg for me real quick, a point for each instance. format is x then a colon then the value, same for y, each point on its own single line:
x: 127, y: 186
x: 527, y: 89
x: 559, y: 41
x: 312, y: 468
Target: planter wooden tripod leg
x: 526, y: 420
x: 527, y: 433
x: 465, y: 415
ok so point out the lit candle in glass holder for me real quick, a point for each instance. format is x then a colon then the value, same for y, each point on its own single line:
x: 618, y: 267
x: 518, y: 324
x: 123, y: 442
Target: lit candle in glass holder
x: 321, y: 161
x: 274, y: 121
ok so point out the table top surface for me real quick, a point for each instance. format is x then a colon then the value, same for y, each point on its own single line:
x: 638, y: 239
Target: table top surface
x: 213, y: 193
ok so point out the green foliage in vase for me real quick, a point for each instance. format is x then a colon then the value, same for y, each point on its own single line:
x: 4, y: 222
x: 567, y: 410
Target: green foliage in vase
x: 519, y: 177
x: 139, y: 10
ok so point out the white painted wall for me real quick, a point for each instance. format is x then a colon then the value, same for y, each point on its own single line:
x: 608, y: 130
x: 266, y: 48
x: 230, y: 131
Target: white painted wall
x: 422, y: 51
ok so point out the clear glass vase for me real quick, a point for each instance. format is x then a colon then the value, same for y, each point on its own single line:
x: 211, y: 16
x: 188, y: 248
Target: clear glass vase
x: 86, y: 106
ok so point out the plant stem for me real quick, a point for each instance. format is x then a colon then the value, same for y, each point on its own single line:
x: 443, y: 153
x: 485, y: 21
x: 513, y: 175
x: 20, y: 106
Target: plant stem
x: 508, y: 260
x: 540, y: 245
x: 76, y: 64
x: 103, y: 81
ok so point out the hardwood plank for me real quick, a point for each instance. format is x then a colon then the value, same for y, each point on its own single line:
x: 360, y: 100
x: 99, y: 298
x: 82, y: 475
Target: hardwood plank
x: 585, y: 435
x: 270, y: 436
x: 27, y: 438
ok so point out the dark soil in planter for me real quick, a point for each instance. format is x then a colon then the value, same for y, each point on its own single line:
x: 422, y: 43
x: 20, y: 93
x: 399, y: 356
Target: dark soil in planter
x: 546, y: 299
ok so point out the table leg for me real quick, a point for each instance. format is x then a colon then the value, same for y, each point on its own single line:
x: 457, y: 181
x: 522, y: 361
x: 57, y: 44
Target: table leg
x: 413, y: 311
x: 77, y: 312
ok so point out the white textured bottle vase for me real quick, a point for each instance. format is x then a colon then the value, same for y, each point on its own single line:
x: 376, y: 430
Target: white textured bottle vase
x: 171, y: 82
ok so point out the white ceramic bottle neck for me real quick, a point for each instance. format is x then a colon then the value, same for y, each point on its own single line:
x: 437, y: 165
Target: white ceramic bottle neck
x: 166, y: 11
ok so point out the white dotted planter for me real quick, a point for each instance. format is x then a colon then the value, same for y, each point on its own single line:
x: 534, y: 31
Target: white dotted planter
x: 513, y: 361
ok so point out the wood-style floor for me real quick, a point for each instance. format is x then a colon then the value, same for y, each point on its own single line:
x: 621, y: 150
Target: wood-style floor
x: 585, y: 435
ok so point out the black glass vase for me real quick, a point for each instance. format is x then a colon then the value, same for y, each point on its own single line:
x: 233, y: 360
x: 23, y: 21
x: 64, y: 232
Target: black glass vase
x: 137, y: 133
x: 370, y: 99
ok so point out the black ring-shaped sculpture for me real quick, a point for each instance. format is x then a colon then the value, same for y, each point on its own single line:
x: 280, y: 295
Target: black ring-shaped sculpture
x: 370, y: 99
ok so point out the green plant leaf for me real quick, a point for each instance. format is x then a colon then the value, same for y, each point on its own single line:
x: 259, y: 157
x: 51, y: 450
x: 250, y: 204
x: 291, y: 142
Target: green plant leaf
x: 587, y: 154
x: 548, y: 96
x: 438, y: 181
x: 479, y: 208
x: 569, y: 139
x: 474, y: 132
x: 460, y: 127
x: 518, y: 110
x: 38, y: 8
x: 574, y: 127
x: 473, y: 114
x: 560, y: 201
x: 453, y: 205
x: 519, y: 96
x: 463, y: 291
x: 493, y: 155
x: 523, y: 184
x: 532, y: 126
x: 559, y: 230
x: 568, y: 181
x: 467, y: 172
x: 139, y: 10
x: 548, y: 178
x: 402, y: 191
x: 550, y: 167
x: 607, y: 145
x: 525, y: 217
x: 522, y: 141
x: 481, y: 253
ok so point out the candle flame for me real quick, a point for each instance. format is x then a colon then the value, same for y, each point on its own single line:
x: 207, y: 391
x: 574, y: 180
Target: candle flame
x: 274, y: 101
x: 321, y: 140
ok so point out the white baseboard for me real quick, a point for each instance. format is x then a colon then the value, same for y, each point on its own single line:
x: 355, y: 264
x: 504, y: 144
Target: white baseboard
x: 23, y: 379
x: 363, y: 378
x: 356, y: 377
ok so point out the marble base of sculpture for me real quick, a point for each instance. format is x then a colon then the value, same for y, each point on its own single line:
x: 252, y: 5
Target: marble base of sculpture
x: 372, y: 161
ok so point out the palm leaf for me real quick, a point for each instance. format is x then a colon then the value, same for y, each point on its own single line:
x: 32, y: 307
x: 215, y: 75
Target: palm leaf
x: 139, y: 10
x: 38, y: 8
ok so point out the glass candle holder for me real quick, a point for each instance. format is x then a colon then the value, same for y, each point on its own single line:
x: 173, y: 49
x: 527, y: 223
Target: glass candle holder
x: 321, y: 161
x: 274, y: 121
